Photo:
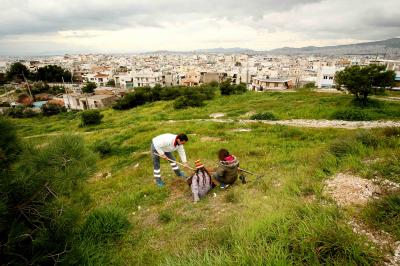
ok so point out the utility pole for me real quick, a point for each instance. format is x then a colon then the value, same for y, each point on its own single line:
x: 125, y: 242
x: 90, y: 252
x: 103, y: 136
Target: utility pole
x: 27, y: 83
x: 66, y: 92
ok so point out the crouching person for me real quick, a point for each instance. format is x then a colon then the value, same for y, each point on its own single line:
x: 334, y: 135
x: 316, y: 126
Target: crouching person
x: 201, y: 182
x: 228, y: 169
x: 163, y: 146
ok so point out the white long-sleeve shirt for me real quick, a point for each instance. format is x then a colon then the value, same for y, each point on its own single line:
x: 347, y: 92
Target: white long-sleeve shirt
x: 165, y: 143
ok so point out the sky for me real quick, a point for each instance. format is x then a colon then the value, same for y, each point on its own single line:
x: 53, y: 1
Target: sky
x: 38, y: 27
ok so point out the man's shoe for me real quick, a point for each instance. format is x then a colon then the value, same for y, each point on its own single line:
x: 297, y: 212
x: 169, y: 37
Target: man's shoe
x: 159, y: 182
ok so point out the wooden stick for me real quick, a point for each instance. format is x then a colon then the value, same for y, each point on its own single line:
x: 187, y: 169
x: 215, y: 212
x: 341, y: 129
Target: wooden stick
x: 172, y: 161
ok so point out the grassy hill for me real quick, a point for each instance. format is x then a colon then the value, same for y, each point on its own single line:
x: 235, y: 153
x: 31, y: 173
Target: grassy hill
x: 280, y: 219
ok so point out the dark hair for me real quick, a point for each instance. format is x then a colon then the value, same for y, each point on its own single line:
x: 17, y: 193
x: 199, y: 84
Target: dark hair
x: 222, y: 153
x: 182, y: 137
x: 205, y: 172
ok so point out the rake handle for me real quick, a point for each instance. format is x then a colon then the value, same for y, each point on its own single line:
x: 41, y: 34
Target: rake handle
x: 172, y: 161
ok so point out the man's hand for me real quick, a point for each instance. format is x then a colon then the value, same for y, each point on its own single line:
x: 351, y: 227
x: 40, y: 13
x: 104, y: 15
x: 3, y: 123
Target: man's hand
x: 164, y: 157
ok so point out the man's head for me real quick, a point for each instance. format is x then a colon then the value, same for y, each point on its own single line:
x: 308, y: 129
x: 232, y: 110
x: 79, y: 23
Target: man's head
x: 182, y: 139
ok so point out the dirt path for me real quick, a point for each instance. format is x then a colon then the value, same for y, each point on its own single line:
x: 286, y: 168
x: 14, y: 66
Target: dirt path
x: 314, y: 123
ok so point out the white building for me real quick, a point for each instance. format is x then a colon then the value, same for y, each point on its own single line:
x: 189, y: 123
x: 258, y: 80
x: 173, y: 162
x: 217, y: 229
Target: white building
x: 146, y: 79
x: 82, y: 102
x: 326, y: 77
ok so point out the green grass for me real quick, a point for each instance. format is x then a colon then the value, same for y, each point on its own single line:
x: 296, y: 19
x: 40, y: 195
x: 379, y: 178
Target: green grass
x: 385, y: 214
x: 281, y: 219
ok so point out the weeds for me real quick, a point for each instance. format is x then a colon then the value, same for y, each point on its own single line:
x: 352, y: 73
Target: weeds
x: 385, y: 214
x: 264, y: 116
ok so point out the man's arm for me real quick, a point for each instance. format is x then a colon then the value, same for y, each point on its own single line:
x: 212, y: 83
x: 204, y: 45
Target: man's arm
x: 182, y: 154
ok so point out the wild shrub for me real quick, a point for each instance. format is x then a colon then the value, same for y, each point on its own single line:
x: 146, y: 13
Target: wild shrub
x: 10, y: 145
x: 91, y: 117
x: 227, y: 88
x: 385, y: 214
x: 49, y: 109
x: 186, y: 101
x: 264, y: 116
x: 367, y: 138
x: 352, y: 115
x: 343, y: 147
x: 20, y: 112
x: 389, y: 168
x: 391, y: 132
x: 105, y: 225
x: 103, y: 147
x: 40, y: 212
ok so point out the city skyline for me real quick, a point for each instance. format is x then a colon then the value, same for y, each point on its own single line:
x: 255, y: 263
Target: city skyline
x: 29, y: 27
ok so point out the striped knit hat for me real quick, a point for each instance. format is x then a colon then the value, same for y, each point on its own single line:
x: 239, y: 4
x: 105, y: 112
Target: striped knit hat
x: 198, y: 164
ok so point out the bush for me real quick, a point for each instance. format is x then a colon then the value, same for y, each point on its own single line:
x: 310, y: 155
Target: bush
x: 91, y: 117
x: 352, y: 115
x: 367, y: 139
x: 103, y: 147
x: 105, y: 225
x: 342, y: 147
x: 264, y: 116
x: 49, y: 109
x: 227, y: 88
x: 40, y: 189
x: 21, y: 112
x: 391, y: 131
x: 9, y: 144
x: 186, y: 101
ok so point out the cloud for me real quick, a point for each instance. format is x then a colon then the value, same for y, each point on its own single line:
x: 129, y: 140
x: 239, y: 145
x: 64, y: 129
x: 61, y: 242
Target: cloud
x: 27, y: 16
x: 137, y: 25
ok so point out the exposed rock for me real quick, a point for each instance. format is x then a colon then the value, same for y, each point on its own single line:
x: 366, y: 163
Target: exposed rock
x: 347, y: 189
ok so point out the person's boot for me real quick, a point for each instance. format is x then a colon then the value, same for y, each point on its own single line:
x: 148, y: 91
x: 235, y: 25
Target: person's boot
x: 242, y: 177
x: 159, y: 182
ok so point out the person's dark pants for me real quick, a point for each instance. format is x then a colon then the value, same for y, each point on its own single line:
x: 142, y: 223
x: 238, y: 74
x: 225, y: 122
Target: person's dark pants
x: 156, y: 163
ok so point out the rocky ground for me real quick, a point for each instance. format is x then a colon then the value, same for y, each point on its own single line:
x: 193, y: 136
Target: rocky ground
x: 350, y: 190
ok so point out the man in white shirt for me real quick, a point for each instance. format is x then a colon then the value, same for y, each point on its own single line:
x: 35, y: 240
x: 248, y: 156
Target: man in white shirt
x: 164, y: 145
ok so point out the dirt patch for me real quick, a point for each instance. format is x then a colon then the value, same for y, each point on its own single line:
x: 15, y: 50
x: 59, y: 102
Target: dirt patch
x: 242, y: 130
x: 347, y: 189
x: 329, y: 123
x: 217, y: 115
x: 382, y: 239
x: 206, y: 139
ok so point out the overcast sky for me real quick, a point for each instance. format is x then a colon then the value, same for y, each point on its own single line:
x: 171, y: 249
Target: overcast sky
x: 113, y: 26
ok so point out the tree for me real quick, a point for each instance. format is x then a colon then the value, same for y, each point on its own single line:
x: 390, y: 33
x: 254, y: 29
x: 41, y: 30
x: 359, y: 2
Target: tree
x: 362, y: 81
x: 89, y: 87
x: 111, y: 83
x: 16, y: 72
x: 226, y: 87
x: 53, y: 73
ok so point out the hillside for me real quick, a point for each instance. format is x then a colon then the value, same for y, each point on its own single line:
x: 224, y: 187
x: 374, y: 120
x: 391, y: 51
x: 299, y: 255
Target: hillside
x: 384, y: 47
x: 287, y: 216
x: 390, y: 47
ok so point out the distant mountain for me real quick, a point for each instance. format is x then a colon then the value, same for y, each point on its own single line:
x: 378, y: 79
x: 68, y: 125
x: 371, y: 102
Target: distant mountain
x: 234, y: 50
x: 385, y: 47
x: 390, y: 46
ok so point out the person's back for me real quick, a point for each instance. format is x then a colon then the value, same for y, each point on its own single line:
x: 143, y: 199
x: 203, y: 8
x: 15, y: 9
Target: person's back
x: 227, y: 171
